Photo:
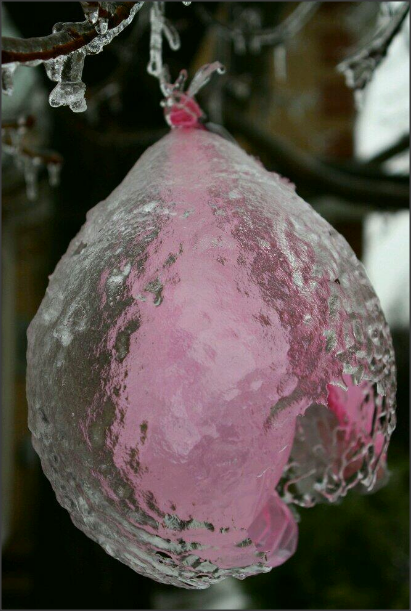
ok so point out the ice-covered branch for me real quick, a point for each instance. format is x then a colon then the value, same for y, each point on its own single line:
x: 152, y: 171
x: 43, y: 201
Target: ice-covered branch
x: 160, y: 26
x: 67, y: 37
x: 359, y: 68
x: 314, y: 175
x: 30, y: 161
x: 63, y: 52
x: 246, y: 32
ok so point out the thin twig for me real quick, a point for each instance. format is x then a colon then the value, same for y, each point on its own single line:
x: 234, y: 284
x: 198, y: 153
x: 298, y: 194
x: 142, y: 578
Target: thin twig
x: 275, y: 36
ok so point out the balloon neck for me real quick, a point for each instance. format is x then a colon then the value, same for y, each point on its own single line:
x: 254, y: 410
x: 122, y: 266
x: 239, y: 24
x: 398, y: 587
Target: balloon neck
x: 181, y: 110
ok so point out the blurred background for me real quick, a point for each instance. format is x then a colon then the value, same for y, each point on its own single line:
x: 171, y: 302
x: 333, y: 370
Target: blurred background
x: 284, y: 101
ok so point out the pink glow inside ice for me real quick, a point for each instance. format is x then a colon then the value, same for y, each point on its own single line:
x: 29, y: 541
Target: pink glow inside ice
x: 184, y: 112
x: 274, y: 531
x: 206, y: 311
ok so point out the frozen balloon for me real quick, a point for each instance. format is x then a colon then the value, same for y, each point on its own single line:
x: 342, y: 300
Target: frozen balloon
x: 209, y: 354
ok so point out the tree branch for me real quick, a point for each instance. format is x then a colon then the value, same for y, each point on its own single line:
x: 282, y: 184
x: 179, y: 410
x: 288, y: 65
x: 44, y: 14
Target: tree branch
x: 402, y: 145
x: 311, y: 174
x: 257, y: 36
x: 73, y: 36
x: 28, y: 160
x: 359, y: 68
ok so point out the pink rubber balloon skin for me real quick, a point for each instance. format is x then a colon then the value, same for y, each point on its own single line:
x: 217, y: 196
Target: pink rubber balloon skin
x: 200, y: 312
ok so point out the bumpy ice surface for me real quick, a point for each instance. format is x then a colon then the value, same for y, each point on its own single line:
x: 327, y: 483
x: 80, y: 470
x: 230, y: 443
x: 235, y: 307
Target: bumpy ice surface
x: 209, y: 352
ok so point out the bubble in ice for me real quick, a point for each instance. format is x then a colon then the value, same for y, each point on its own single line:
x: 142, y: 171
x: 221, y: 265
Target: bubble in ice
x: 193, y: 378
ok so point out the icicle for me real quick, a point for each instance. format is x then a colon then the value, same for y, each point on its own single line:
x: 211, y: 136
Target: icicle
x: 29, y: 162
x: 54, y: 67
x: 181, y: 81
x: 90, y: 10
x: 358, y: 72
x: 171, y: 34
x: 102, y: 25
x: 69, y: 94
x: 239, y: 43
x: 280, y: 63
x: 31, y: 168
x: 15, y: 138
x: 156, y: 39
x: 54, y: 171
x: 255, y: 45
x: 70, y: 90
x: 67, y: 70
x: 7, y: 72
x: 159, y: 26
x: 203, y: 76
x: 165, y: 80
x: 16, y: 135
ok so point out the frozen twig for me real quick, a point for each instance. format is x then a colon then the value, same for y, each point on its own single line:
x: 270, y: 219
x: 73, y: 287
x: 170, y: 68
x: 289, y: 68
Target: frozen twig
x: 315, y: 175
x: 69, y: 37
x: 160, y: 26
x: 245, y: 34
x: 360, y: 66
x: 63, y: 52
x: 30, y: 161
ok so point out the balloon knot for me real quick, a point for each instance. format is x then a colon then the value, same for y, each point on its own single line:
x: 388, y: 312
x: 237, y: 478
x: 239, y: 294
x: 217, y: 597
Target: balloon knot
x: 180, y: 107
x: 181, y: 110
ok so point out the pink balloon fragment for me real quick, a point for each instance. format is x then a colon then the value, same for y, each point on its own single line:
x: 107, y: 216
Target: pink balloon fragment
x: 274, y: 531
x: 209, y: 353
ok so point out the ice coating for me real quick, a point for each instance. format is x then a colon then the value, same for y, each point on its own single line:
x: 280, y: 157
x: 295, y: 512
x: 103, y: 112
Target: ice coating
x: 67, y: 69
x: 201, y: 311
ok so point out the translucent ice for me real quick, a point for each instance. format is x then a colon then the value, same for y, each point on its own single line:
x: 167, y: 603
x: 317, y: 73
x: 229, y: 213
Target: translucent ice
x: 54, y: 171
x: 209, y: 351
x: 91, y: 10
x: 7, y: 72
x: 67, y: 70
x: 160, y: 26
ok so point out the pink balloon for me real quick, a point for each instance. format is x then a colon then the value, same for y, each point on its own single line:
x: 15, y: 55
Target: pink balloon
x: 187, y: 364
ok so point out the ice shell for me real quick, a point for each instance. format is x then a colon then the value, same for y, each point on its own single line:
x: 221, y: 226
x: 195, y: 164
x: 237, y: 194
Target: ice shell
x: 200, y: 312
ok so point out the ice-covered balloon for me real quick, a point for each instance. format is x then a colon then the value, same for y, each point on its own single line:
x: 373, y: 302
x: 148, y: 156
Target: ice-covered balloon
x: 209, y: 351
